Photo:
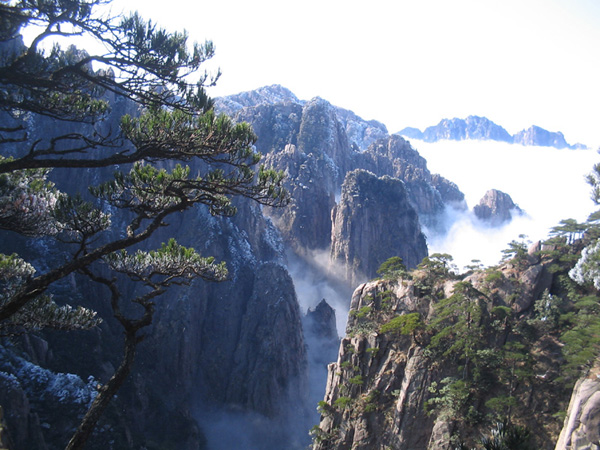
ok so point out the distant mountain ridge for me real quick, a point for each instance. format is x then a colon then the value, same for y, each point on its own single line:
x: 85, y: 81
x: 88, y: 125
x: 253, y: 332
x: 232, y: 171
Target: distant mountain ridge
x: 481, y: 128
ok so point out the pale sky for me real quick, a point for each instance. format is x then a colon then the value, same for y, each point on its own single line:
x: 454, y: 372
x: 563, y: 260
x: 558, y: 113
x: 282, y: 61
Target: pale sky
x: 410, y: 63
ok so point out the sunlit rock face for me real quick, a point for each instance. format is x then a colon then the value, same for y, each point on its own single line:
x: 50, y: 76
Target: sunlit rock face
x: 373, y: 222
x: 581, y: 430
x: 311, y: 179
x: 240, y: 344
x: 379, y: 390
x: 496, y: 208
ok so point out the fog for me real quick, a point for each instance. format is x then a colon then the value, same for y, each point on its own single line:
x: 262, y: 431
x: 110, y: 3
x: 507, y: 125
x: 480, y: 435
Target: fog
x: 547, y: 183
x: 316, y: 278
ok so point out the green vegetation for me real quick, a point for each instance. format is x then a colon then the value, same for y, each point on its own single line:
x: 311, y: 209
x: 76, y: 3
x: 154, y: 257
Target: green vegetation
x: 393, y: 268
x: 517, y: 251
x: 405, y: 324
x: 490, y: 357
x: 156, y: 71
x: 504, y: 436
x: 489, y: 343
x: 343, y: 402
x: 358, y: 380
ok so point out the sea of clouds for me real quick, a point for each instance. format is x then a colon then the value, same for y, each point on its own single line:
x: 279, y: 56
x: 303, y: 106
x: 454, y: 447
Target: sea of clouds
x: 547, y: 183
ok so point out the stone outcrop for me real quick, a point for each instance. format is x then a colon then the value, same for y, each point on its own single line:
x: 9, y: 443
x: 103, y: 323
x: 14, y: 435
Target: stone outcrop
x: 320, y: 323
x: 428, y: 193
x: 581, y: 430
x: 267, y: 95
x: 361, y: 133
x: 203, y: 346
x: 496, y: 208
x: 386, y: 383
x: 322, y: 343
x: 267, y: 375
x: 373, y: 222
x: 321, y: 334
x: 238, y: 344
x: 311, y: 179
x: 315, y: 140
x: 241, y: 344
x: 449, y: 191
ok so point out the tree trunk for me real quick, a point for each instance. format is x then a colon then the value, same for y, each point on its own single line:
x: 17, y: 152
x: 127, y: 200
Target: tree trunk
x: 105, y: 395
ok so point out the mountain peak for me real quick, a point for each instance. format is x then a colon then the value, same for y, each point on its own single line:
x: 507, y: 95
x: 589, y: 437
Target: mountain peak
x: 482, y: 128
x: 266, y: 95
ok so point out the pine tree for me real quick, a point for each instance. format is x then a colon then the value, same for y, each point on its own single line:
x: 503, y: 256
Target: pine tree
x: 76, y: 92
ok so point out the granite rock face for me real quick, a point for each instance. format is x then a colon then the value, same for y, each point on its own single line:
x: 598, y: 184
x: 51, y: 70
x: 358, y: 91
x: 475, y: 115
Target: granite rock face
x: 266, y: 95
x: 373, y: 222
x: 316, y: 144
x: 360, y: 133
x: 269, y: 363
x: 320, y: 323
x: 382, y: 385
x: 581, y: 430
x: 496, y: 208
x: 311, y: 179
x: 239, y: 345
x: 395, y: 157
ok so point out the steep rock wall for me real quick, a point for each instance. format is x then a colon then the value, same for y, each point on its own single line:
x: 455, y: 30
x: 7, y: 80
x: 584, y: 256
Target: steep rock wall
x: 581, y: 430
x: 373, y: 222
x: 316, y: 144
x: 385, y: 389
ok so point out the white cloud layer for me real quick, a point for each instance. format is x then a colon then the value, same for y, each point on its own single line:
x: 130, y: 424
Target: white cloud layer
x: 548, y: 184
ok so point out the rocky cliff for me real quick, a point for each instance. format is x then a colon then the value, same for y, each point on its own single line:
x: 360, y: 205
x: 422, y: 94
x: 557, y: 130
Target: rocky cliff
x: 373, y: 222
x: 395, y: 157
x: 317, y: 144
x: 432, y: 360
x: 236, y: 359
x: 236, y: 345
x: 202, y: 343
x: 236, y: 348
x: 581, y: 429
x: 496, y: 207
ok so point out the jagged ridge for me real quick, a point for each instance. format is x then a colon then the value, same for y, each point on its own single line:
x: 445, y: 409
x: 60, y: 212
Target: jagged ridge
x: 475, y: 127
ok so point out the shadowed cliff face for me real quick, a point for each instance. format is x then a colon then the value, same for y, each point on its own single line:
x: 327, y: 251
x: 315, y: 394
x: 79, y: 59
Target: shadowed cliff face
x: 373, y: 222
x: 427, y: 193
x: 237, y: 348
x: 316, y: 144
